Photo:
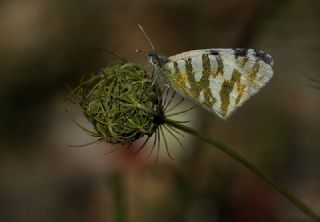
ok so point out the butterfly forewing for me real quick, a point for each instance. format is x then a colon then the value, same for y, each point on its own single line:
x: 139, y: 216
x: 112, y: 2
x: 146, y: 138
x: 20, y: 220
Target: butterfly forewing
x: 220, y: 80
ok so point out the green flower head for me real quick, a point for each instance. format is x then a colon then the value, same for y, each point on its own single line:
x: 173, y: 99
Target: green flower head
x: 122, y: 103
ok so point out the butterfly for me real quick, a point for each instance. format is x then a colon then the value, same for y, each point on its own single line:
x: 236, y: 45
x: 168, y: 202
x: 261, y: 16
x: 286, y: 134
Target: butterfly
x: 219, y: 80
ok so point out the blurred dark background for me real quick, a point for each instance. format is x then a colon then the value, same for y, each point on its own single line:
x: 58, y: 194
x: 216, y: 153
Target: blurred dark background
x: 46, y: 44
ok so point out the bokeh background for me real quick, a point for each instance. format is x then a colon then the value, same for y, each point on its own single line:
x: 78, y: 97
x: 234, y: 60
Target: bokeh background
x: 48, y: 44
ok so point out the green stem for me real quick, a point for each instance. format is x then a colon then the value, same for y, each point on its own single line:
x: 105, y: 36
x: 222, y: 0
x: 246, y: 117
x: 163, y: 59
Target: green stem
x: 246, y: 163
x: 119, y: 198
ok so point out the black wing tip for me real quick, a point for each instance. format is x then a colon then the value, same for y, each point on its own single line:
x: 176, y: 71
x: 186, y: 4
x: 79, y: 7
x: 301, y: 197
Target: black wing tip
x: 265, y: 57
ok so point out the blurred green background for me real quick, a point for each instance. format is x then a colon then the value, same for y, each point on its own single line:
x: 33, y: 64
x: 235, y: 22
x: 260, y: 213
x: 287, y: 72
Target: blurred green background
x: 46, y: 44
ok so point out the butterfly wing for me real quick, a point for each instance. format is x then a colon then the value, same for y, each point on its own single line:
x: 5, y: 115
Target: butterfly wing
x: 220, y: 80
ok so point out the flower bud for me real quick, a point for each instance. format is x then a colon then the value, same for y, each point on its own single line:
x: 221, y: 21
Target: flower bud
x: 122, y: 103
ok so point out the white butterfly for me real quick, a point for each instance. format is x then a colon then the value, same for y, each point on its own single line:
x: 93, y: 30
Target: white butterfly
x: 220, y: 80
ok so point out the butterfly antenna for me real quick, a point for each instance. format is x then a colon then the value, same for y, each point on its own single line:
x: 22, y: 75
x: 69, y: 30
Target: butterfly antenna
x: 141, y: 51
x: 147, y: 37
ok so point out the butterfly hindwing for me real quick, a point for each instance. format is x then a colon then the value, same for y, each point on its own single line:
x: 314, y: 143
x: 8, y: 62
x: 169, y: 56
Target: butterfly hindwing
x: 219, y: 80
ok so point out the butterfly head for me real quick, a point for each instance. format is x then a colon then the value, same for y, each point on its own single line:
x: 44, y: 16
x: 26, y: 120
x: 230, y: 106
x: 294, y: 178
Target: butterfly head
x: 153, y: 58
x: 156, y: 60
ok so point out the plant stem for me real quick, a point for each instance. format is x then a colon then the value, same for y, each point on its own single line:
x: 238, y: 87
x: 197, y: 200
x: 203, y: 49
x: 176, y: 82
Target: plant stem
x: 246, y: 163
x: 119, y: 198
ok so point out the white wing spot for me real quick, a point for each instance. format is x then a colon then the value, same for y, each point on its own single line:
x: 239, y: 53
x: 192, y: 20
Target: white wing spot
x: 201, y: 97
x: 227, y: 71
x: 213, y: 63
x: 182, y: 66
x: 198, y: 76
x: 227, y: 53
x: 233, y: 96
x: 197, y: 67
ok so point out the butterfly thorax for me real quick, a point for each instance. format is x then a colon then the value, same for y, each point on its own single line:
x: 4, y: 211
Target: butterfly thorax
x: 158, y: 63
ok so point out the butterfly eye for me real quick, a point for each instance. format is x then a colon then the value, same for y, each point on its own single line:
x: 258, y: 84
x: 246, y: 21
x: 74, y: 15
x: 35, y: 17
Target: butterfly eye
x: 152, y: 59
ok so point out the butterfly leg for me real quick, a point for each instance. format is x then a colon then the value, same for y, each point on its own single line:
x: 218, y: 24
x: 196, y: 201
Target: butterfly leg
x: 152, y: 72
x: 154, y: 80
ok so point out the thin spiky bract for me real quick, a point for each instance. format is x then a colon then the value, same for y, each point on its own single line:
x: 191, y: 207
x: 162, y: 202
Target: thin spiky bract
x: 121, y: 103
